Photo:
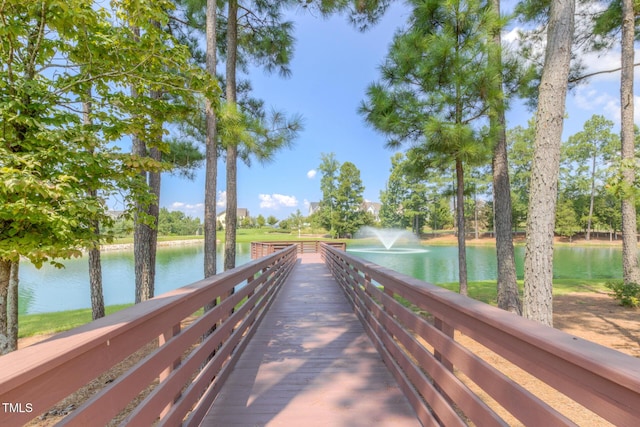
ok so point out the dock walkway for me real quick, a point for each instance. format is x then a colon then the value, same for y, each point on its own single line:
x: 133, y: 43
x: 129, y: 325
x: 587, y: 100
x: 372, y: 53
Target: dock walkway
x: 310, y: 364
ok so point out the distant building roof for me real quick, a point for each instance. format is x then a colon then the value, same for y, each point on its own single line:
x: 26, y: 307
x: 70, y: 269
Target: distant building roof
x: 373, y: 208
x: 240, y: 213
x: 115, y: 214
x: 313, y: 206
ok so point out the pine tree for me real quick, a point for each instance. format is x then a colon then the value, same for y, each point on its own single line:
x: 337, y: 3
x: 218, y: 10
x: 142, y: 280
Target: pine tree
x: 436, y: 91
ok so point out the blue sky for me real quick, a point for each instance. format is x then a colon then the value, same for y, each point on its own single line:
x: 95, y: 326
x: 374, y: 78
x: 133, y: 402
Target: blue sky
x: 332, y: 66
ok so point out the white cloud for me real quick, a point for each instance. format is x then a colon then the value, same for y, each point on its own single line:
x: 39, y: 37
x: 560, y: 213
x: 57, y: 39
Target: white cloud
x: 197, y: 209
x: 511, y: 36
x: 311, y: 174
x: 590, y: 99
x: 274, y: 201
x: 222, y: 199
x: 596, y: 62
x: 193, y: 210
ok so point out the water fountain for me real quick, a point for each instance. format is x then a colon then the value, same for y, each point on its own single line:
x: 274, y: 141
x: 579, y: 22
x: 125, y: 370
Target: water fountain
x: 393, y: 240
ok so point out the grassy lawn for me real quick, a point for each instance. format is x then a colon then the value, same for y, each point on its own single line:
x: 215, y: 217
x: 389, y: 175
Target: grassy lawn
x: 486, y: 291
x: 270, y: 234
x: 50, y: 323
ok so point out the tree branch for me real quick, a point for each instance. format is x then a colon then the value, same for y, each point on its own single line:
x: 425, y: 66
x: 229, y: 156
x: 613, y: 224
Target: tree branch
x: 586, y: 76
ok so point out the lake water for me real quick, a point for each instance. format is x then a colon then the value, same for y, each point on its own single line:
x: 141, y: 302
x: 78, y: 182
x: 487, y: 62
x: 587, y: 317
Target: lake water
x: 50, y: 289
x: 439, y: 264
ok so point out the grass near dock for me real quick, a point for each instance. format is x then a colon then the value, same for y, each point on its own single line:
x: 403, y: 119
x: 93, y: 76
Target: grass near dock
x: 59, y: 321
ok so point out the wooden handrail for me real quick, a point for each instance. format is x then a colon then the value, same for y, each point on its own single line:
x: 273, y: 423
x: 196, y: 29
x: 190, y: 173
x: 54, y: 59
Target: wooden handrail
x: 426, y: 359
x: 260, y: 249
x: 191, y: 363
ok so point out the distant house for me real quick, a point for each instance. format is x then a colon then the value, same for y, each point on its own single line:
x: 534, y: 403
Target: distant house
x: 373, y: 208
x: 115, y: 214
x: 241, y: 213
x: 314, y: 207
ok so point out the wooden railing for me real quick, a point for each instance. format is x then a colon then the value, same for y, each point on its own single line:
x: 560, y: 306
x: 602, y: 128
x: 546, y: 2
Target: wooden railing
x: 260, y: 249
x: 436, y: 372
x: 189, y: 365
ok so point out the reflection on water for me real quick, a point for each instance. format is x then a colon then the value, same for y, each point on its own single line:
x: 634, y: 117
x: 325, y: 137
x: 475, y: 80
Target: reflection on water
x: 51, y: 289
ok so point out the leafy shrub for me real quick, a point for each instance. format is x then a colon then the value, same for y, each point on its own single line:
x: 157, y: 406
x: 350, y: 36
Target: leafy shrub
x: 627, y: 293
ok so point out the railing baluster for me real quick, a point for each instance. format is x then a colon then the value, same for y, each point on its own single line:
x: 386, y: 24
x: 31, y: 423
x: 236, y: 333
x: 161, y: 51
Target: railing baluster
x: 448, y: 331
x: 162, y: 339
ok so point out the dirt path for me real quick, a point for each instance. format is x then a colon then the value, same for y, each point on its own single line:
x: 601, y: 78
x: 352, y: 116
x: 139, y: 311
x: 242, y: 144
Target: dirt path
x: 597, y: 317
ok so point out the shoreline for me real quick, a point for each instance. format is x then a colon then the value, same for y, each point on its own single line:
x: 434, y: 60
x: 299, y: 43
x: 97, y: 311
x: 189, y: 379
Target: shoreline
x: 442, y: 240
x: 452, y: 240
x: 161, y: 243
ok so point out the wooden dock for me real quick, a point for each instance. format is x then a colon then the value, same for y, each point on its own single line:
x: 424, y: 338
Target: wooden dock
x: 294, y: 353
x: 310, y: 364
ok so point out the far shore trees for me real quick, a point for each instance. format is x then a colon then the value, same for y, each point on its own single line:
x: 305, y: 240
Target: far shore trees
x: 328, y: 168
x: 342, y: 195
x: 348, y: 215
x: 404, y: 199
x: 588, y: 155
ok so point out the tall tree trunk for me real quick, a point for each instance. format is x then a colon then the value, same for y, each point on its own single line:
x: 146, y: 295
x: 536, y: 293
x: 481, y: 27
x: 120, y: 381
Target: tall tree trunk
x: 145, y: 234
x: 593, y: 194
x: 144, y: 272
x: 538, y: 263
x: 630, y: 269
x: 475, y: 214
x: 5, y: 276
x: 508, y: 297
x: 12, y: 306
x: 141, y: 241
x: 462, y: 248
x: 95, y: 265
x: 146, y: 238
x: 231, y: 218
x: 211, y: 151
x: 154, y: 211
x: 95, y: 272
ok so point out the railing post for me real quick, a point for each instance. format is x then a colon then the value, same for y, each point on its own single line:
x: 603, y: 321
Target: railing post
x: 250, y: 294
x: 448, y: 330
x: 162, y: 339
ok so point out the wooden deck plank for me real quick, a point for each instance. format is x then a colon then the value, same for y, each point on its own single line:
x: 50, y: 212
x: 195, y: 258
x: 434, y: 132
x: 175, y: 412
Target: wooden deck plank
x: 310, y: 363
